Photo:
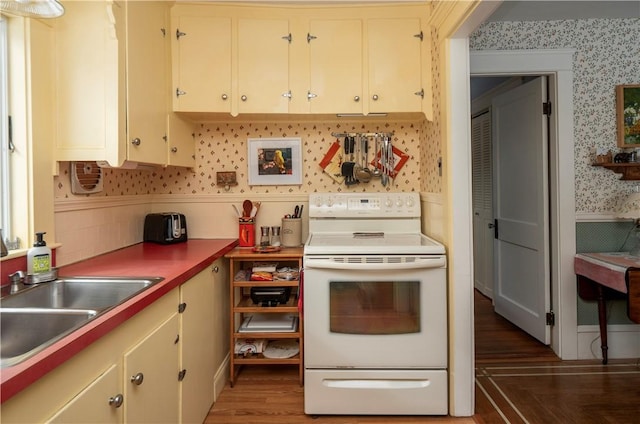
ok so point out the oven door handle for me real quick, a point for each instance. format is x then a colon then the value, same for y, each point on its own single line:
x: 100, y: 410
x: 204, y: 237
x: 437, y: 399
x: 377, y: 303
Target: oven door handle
x: 420, y: 263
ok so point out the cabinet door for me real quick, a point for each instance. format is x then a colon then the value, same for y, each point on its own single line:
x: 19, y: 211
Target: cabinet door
x: 151, y: 387
x: 95, y: 404
x: 201, y: 50
x: 182, y: 143
x: 197, y: 344
x: 335, y: 56
x: 263, y: 66
x: 146, y: 82
x: 394, y: 65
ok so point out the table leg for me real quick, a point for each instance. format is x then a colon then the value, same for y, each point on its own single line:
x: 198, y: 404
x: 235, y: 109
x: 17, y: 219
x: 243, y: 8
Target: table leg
x: 602, y: 320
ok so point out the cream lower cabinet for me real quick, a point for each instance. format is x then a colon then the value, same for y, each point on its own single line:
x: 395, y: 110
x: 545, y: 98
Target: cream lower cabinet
x: 151, y: 376
x: 149, y: 392
x: 203, y: 335
x: 100, y: 402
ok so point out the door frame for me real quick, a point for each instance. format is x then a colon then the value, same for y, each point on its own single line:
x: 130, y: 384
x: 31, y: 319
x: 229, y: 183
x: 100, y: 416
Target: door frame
x: 558, y: 63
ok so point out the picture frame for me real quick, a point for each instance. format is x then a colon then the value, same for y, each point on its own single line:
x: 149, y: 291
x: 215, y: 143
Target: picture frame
x: 274, y: 161
x: 628, y: 115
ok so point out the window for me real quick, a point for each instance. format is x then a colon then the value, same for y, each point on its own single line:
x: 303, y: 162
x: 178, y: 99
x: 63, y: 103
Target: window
x: 5, y: 151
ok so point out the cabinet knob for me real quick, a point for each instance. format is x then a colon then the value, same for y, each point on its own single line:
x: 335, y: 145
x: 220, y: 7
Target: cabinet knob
x: 116, y: 401
x: 243, y: 98
x: 224, y: 97
x: 180, y: 92
x: 374, y: 97
x: 356, y: 98
x: 174, y: 150
x: 137, y: 379
x: 136, y: 141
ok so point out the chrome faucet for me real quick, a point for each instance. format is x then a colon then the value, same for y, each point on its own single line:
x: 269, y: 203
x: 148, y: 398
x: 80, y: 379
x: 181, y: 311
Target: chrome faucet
x: 17, y: 282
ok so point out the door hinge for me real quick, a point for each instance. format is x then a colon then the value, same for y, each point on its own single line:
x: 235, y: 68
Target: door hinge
x: 551, y: 318
x: 546, y: 108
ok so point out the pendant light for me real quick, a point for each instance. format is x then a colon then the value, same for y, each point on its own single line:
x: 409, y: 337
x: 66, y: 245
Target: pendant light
x: 33, y: 8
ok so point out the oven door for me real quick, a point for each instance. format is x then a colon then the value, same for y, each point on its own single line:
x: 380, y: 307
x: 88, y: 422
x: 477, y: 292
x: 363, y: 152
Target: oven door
x: 368, y: 312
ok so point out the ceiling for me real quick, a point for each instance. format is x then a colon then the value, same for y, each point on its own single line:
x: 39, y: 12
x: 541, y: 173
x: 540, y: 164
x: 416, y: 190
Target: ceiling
x: 533, y: 10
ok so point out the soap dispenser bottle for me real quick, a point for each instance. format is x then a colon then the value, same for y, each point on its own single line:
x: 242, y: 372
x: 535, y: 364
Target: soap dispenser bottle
x: 39, y: 256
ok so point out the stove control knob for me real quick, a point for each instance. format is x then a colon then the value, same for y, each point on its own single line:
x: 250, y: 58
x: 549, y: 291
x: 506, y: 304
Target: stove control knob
x: 409, y: 202
x: 318, y: 202
x: 388, y: 203
x: 399, y: 202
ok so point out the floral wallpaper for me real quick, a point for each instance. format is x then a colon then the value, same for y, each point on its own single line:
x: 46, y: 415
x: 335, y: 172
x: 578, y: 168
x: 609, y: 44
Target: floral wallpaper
x: 223, y: 147
x: 607, y: 54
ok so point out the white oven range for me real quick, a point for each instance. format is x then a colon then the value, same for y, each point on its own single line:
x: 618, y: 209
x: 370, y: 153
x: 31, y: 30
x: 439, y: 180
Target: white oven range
x: 375, y: 308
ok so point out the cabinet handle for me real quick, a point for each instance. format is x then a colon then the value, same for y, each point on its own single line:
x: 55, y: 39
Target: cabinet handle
x: 311, y: 95
x: 243, y: 98
x: 179, y: 34
x: 420, y: 93
x: 216, y: 269
x: 356, y: 99
x: 137, y: 379
x: 136, y: 141
x: 182, y: 307
x: 224, y: 97
x: 116, y: 401
x: 180, y: 92
x: 287, y: 37
x: 310, y: 37
x: 174, y: 150
x: 374, y: 97
x: 287, y: 94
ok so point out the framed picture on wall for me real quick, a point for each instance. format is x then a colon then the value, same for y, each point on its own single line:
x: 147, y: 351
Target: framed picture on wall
x: 628, y: 115
x: 275, y: 161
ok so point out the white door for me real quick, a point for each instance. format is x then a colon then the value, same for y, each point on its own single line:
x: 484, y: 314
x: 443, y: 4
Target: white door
x: 482, y: 190
x: 521, y: 209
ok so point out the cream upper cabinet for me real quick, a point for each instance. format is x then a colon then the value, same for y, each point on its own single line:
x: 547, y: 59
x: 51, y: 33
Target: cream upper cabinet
x: 151, y: 386
x: 146, y: 74
x: 201, y: 57
x: 283, y: 59
x: 181, y: 141
x: 111, y: 82
x: 263, y: 66
x: 335, y: 65
x: 100, y: 402
x: 394, y: 51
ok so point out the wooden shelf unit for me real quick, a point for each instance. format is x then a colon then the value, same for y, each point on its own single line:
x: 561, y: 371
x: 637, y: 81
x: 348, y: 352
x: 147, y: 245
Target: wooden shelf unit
x: 241, y: 306
x: 629, y: 170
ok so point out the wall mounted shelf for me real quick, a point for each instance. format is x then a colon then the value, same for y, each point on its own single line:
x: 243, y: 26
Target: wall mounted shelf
x: 629, y: 171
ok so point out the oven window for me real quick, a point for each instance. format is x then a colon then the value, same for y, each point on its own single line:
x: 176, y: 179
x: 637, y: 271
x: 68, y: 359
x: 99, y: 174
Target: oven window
x: 382, y: 307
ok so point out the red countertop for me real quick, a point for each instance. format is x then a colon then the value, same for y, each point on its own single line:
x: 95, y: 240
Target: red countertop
x: 177, y: 263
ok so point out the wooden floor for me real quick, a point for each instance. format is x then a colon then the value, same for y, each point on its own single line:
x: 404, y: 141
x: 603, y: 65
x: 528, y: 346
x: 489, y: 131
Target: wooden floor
x: 518, y: 380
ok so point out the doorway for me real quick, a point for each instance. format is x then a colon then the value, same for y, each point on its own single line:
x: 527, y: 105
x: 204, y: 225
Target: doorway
x: 509, y: 144
x: 561, y: 176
